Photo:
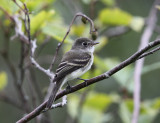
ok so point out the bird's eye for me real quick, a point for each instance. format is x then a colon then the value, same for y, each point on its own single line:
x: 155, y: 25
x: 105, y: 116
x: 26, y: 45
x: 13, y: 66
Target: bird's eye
x: 84, y: 44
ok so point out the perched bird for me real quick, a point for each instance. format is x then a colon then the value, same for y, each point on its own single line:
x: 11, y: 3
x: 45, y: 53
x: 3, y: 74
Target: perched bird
x: 74, y: 63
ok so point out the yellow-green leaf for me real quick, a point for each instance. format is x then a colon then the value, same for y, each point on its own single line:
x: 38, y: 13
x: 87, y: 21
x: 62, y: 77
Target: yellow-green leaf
x: 156, y: 104
x: 102, y: 42
x: 109, y: 2
x: 115, y: 16
x: 57, y: 31
x: 3, y: 80
x: 9, y: 6
x: 124, y: 76
x: 78, y: 29
x: 98, y: 101
x: 40, y: 20
x: 137, y: 23
x: 37, y: 5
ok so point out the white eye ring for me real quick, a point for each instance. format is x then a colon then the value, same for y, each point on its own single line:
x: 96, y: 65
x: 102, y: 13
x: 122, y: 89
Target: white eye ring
x: 84, y: 43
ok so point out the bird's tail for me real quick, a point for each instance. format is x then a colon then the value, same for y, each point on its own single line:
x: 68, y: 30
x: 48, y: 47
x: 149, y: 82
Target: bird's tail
x: 53, y: 94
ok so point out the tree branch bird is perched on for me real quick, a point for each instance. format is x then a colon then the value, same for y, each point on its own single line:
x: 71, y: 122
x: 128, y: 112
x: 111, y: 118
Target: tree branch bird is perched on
x: 74, y: 63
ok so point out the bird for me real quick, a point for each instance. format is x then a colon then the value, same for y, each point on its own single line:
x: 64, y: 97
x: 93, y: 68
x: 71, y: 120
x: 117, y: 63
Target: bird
x: 77, y: 61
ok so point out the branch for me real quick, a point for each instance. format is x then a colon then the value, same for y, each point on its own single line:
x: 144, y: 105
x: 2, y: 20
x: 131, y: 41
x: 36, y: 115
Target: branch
x: 103, y: 76
x: 148, y: 31
x: 149, y: 53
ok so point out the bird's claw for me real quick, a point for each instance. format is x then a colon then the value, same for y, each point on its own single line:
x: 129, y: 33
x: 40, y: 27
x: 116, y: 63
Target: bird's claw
x: 85, y: 80
x: 68, y: 88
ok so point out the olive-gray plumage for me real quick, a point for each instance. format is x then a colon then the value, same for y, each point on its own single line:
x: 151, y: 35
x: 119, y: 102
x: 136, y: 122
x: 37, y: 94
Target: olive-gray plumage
x: 74, y: 63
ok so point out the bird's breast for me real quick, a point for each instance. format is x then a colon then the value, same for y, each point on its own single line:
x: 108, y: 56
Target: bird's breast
x: 80, y: 71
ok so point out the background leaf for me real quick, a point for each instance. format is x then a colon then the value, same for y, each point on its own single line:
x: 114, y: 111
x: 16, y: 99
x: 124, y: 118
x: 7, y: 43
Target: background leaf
x: 115, y: 16
x: 3, y: 80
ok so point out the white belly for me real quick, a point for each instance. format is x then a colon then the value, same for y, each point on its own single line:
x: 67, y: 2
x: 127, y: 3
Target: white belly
x: 78, y: 72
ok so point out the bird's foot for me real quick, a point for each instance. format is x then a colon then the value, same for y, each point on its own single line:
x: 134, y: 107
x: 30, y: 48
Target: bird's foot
x: 85, y: 80
x: 68, y: 88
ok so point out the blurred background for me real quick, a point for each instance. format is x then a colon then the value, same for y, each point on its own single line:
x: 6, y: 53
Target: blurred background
x: 120, y: 25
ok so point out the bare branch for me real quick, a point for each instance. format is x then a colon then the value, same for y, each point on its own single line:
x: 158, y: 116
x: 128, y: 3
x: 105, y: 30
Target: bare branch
x: 151, y: 23
x: 149, y: 53
x: 18, y: 30
x: 33, y: 61
x: 103, y: 76
x: 21, y: 64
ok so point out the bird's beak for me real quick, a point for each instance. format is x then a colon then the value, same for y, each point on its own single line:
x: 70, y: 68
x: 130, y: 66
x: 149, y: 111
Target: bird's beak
x: 95, y: 43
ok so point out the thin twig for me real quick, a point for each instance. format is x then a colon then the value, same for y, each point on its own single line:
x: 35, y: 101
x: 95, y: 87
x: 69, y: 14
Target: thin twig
x: 103, y: 76
x: 28, y: 19
x: 18, y: 30
x: 21, y: 64
x: 148, y: 31
x: 18, y: 5
x: 149, y: 53
x: 20, y: 92
x: 33, y: 45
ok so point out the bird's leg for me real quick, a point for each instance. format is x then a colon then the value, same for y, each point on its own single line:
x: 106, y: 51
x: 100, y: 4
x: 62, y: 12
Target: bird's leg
x: 68, y: 88
x: 85, y: 80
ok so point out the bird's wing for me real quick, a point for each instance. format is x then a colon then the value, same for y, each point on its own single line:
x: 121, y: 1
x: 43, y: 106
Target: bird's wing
x: 71, y: 62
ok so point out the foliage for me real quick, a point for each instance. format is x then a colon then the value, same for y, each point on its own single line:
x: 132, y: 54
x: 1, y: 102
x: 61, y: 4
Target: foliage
x: 48, y: 20
x: 92, y: 110
x: 3, y: 80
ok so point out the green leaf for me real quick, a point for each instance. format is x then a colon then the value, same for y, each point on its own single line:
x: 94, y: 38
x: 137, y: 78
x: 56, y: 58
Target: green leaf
x: 100, y: 64
x: 115, y: 16
x: 147, y: 110
x: 39, y: 21
x: 72, y: 105
x: 156, y: 104
x: 109, y: 2
x: 158, y: 7
x: 78, y: 29
x: 124, y: 113
x: 124, y: 76
x: 98, y: 101
x: 3, y: 80
x: 137, y: 23
x: 102, y: 42
x: 9, y: 6
x: 81, y: 30
x: 93, y: 107
x: 90, y: 115
x: 37, y: 5
x: 150, y: 68
x: 57, y: 31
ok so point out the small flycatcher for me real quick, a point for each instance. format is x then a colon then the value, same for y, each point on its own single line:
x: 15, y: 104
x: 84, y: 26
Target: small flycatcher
x: 74, y: 63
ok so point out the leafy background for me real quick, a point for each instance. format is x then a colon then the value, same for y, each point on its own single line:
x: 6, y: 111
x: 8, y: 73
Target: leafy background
x: 108, y: 101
